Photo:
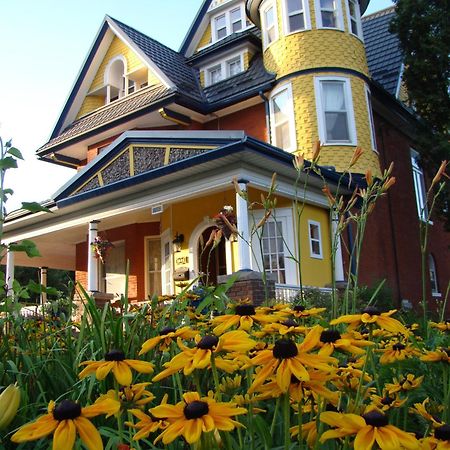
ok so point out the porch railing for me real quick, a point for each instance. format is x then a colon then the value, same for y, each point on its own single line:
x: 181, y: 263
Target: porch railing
x: 287, y: 293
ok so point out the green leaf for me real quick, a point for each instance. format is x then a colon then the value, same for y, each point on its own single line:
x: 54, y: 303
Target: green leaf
x: 13, y: 151
x: 34, y: 207
x: 8, y: 162
x: 27, y: 246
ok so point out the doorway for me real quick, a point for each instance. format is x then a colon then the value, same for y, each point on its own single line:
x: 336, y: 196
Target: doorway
x: 211, y: 261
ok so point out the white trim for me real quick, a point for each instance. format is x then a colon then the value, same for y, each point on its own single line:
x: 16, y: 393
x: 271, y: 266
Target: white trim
x: 166, y: 236
x: 419, y: 186
x: 359, y: 33
x: 291, y: 117
x: 373, y: 136
x: 266, y: 5
x: 223, y: 63
x: 228, y: 24
x: 284, y: 217
x: 306, y: 17
x: 399, y: 81
x: 339, y: 16
x: 321, y: 112
x: 110, y: 63
x: 312, y: 254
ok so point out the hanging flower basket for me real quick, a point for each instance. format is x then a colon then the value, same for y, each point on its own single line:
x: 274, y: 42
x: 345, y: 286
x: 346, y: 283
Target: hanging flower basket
x: 101, y: 247
x: 226, y: 221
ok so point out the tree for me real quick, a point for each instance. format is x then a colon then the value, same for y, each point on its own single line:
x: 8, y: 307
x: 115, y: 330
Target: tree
x: 423, y: 29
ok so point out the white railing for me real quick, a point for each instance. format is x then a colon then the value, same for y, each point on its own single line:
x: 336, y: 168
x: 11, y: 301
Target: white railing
x: 287, y: 292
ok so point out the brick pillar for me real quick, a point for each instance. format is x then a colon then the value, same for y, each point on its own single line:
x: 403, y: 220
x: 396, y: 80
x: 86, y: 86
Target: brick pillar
x: 249, y: 285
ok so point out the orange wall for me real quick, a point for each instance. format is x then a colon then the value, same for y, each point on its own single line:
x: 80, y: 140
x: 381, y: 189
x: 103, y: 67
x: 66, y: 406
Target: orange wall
x: 133, y: 235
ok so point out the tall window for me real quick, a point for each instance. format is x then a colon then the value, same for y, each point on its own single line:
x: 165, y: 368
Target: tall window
x: 282, y: 119
x: 354, y: 18
x: 433, y: 275
x: 236, y: 20
x: 228, y: 22
x: 335, y: 111
x: 315, y: 239
x: 329, y: 14
x: 269, y: 24
x: 220, y: 23
x: 419, y: 186
x: 296, y: 18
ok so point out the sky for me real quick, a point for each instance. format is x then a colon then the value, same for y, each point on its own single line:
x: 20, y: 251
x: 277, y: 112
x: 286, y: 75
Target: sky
x: 43, y: 44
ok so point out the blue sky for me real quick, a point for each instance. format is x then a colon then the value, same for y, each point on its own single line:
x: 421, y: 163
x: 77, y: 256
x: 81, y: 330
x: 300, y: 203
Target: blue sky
x: 43, y: 44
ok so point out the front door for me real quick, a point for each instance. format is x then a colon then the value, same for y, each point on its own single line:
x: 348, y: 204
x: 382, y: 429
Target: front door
x: 212, y: 261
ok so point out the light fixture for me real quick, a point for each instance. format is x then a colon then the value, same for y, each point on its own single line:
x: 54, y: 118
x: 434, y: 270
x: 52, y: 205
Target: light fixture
x: 179, y: 239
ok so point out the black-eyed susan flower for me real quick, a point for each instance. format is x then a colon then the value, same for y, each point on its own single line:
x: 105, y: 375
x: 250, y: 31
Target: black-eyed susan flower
x: 369, y: 428
x: 286, y: 327
x: 372, y: 315
x: 286, y: 358
x: 301, y: 312
x: 116, y: 363
x: 244, y: 315
x: 165, y: 337
x: 194, y: 416
x: 438, y: 355
x: 331, y: 340
x: 133, y: 396
x: 199, y: 357
x: 440, y: 439
x: 147, y: 424
x: 397, y: 352
x: 65, y: 420
x: 386, y: 402
x: 406, y: 383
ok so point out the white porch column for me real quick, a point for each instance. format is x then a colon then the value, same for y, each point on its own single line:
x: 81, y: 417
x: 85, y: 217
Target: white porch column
x: 44, y: 283
x: 92, y: 260
x: 229, y: 256
x: 9, y: 272
x: 243, y: 228
x: 338, y: 264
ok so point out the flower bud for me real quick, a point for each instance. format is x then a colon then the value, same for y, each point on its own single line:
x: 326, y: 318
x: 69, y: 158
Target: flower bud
x: 9, y: 404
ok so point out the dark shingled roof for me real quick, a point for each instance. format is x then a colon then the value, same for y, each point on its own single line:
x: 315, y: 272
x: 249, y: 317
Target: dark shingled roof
x: 172, y: 63
x: 384, y: 56
x: 109, y: 113
x: 250, y: 80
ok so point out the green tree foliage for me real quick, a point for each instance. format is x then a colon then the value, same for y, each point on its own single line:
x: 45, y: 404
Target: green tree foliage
x: 423, y: 29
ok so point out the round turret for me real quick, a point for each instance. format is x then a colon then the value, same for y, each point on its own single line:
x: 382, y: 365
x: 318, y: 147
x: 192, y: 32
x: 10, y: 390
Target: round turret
x: 316, y: 50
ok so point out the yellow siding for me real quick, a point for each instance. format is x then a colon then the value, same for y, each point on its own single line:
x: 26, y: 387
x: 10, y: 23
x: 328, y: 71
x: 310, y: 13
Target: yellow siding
x: 247, y: 58
x: 206, y: 38
x: 90, y: 103
x: 202, y: 78
x: 307, y: 129
x: 315, y: 272
x: 152, y: 79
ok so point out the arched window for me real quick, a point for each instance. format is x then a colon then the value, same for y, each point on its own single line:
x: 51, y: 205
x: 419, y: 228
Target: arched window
x: 433, y: 275
x: 115, y: 79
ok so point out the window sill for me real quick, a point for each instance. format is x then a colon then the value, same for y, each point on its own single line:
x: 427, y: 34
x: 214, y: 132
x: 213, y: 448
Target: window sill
x: 316, y: 256
x: 338, y: 144
x: 436, y: 294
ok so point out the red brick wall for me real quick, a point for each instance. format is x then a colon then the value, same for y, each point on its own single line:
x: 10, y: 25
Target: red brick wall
x: 134, y: 236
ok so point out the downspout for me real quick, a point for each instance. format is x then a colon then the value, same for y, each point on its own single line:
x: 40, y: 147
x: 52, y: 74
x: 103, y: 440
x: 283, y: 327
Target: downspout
x: 391, y: 221
x: 267, y: 109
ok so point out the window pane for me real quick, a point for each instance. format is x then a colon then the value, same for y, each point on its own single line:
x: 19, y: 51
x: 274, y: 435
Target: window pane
x: 236, y: 20
x: 215, y: 74
x: 315, y: 245
x: 328, y: 19
x: 296, y: 22
x: 234, y: 67
x: 221, y: 26
x: 269, y: 20
x: 280, y: 107
x: 327, y: 4
x: 334, y: 98
x: 294, y: 5
x: 314, y: 231
x: 282, y: 136
x: 337, y: 126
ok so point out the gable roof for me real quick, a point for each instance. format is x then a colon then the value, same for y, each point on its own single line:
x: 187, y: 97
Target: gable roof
x: 384, y: 56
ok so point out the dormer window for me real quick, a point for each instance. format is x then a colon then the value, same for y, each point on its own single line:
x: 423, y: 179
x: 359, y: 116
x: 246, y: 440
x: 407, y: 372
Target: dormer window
x: 228, y: 22
x: 115, y: 79
x: 220, y: 70
x: 215, y: 74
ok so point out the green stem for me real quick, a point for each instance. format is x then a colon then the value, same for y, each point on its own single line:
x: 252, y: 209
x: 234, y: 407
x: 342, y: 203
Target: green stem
x: 287, y: 421
x: 215, y: 376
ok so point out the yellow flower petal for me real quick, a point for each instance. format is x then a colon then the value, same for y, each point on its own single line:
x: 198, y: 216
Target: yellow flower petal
x: 386, y: 439
x: 122, y: 373
x: 64, y: 436
x: 365, y: 438
x: 42, y: 427
x: 106, y: 405
x: 103, y: 369
x: 140, y: 366
x: 88, y: 433
x: 150, y: 344
x: 193, y: 430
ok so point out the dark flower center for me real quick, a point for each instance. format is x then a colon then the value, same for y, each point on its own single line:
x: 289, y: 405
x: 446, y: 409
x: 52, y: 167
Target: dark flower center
x: 387, y: 401
x: 167, y: 330
x: 398, y: 346
x: 299, y: 308
x: 208, y: 342
x: 245, y: 310
x: 284, y: 349
x: 290, y: 323
x: 376, y: 419
x: 447, y: 350
x: 115, y: 355
x: 67, y: 410
x: 330, y: 336
x: 195, y: 409
x: 371, y: 310
x: 442, y: 433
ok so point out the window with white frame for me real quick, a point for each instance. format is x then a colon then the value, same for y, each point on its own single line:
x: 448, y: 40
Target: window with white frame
x: 224, y: 69
x: 296, y: 17
x: 354, y: 18
x: 282, y: 118
x: 228, y: 22
x: 269, y: 23
x: 335, y: 114
x: 329, y: 14
x: 433, y: 276
x: 315, y: 239
x: 419, y: 186
x: 371, y: 121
